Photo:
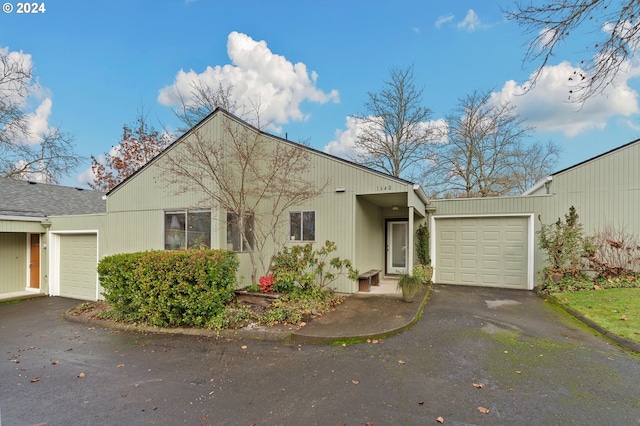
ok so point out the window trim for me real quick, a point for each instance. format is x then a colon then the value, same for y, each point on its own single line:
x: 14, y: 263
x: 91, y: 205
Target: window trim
x: 301, y: 230
x: 185, y: 230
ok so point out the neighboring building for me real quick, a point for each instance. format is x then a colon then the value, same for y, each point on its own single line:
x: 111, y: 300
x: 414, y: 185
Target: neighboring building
x: 371, y: 216
x: 25, y: 216
x: 493, y: 242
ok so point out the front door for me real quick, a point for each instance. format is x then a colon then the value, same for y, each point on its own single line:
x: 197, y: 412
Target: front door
x: 34, y: 261
x: 397, y: 247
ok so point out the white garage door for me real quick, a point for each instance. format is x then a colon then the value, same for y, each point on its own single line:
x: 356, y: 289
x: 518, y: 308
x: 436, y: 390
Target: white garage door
x: 482, y: 251
x: 78, y: 263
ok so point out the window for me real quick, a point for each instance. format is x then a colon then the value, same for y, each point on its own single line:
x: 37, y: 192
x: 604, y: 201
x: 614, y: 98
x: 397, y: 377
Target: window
x: 187, y: 229
x: 235, y: 241
x: 302, y: 226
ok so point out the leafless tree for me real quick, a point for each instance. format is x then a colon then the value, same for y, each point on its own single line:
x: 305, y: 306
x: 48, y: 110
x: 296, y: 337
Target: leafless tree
x: 203, y: 100
x: 614, y: 24
x: 485, y: 153
x: 394, y: 133
x: 46, y: 156
x: 254, y: 176
x: 532, y: 163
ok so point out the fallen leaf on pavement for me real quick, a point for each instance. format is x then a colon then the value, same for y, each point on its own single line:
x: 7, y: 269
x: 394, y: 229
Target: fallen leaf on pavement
x: 401, y: 362
x: 483, y: 410
x: 244, y: 346
x: 478, y: 385
x: 440, y: 419
x: 54, y: 362
x: 119, y: 365
x: 355, y: 382
x: 35, y: 379
x: 81, y: 375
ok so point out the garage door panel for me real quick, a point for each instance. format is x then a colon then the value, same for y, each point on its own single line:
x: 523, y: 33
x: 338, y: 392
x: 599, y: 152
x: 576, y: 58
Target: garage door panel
x: 472, y: 250
x: 448, y: 249
x: 468, y: 264
x: 468, y: 278
x: 491, y: 250
x: 489, y: 265
x: 78, y: 263
x: 485, y: 251
x: 469, y: 236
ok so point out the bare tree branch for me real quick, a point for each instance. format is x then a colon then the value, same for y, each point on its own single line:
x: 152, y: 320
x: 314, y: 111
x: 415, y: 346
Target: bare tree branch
x: 249, y: 174
x: 45, y: 157
x: 394, y: 133
x: 484, y: 154
x: 554, y: 22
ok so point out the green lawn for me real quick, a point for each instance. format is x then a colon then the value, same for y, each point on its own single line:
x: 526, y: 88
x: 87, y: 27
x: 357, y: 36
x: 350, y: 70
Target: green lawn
x: 616, y: 310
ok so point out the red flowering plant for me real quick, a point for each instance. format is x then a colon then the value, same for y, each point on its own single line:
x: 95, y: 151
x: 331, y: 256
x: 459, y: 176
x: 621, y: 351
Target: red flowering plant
x: 266, y: 283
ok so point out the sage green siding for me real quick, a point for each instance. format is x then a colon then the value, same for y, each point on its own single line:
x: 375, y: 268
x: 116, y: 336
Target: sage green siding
x: 32, y: 227
x: 350, y: 211
x: 13, y: 262
x: 369, y: 237
x: 604, y: 190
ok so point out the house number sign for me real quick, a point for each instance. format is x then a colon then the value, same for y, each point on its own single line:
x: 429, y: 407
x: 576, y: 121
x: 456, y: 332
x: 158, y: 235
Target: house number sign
x: 383, y: 188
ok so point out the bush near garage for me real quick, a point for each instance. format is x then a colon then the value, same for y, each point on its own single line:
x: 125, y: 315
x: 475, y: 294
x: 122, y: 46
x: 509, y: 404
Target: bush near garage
x: 609, y: 259
x: 169, y: 288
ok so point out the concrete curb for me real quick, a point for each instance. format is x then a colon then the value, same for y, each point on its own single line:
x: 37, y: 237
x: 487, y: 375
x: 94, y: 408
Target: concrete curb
x: 332, y: 340
x: 274, y: 334
x: 254, y: 333
x: 619, y: 340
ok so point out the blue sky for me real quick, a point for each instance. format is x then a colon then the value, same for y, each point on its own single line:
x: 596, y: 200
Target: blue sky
x: 311, y: 64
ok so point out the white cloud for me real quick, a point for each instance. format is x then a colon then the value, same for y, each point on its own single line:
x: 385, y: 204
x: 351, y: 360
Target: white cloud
x: 445, y: 19
x: 257, y: 76
x: 25, y: 93
x: 471, y: 22
x: 14, y: 91
x: 548, y: 108
x: 344, y: 144
x: 38, y: 121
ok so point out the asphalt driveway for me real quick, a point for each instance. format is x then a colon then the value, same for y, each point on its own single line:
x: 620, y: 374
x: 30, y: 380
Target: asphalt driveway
x: 477, y: 356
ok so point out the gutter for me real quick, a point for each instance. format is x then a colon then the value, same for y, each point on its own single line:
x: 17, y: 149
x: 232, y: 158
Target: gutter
x: 421, y: 194
x: 542, y: 182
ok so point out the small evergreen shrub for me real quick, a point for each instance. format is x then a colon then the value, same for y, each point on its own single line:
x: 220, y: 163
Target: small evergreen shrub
x: 169, y: 288
x: 300, y: 267
x: 566, y: 245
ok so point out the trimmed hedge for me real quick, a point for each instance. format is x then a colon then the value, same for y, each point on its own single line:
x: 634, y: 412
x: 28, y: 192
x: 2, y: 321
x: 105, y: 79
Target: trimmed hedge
x: 169, y: 288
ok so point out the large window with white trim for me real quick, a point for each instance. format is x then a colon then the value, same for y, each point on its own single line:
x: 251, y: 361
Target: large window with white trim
x: 187, y: 229
x: 302, y: 226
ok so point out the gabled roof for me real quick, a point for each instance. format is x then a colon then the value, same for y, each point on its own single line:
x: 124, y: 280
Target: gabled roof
x: 549, y: 178
x: 219, y: 110
x: 597, y: 156
x: 32, y: 199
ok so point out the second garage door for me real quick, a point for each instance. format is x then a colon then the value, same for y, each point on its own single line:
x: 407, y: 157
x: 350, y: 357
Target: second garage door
x: 78, y: 263
x: 483, y: 251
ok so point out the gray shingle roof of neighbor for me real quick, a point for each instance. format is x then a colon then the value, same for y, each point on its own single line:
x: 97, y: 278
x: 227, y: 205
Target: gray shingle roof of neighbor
x: 33, y: 199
